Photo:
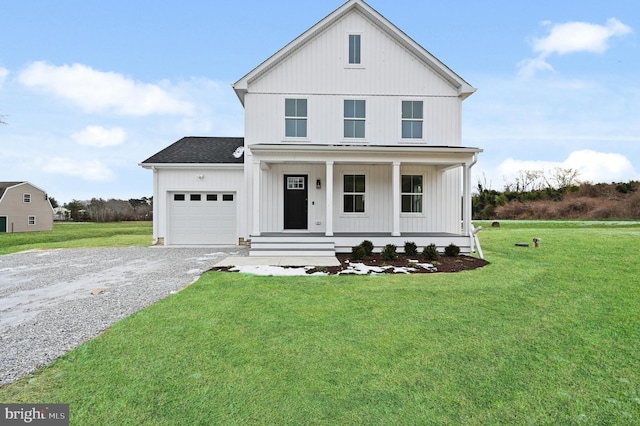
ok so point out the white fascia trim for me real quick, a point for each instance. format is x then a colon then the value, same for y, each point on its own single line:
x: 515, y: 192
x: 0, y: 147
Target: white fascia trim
x: 157, y: 166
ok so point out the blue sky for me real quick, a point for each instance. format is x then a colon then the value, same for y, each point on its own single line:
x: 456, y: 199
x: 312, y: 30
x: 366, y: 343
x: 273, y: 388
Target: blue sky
x: 90, y: 89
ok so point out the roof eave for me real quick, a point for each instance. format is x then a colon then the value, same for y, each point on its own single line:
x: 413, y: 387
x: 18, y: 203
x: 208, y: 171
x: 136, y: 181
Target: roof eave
x: 152, y: 166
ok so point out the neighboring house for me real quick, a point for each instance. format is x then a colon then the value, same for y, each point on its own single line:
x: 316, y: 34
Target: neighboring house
x: 61, y: 213
x: 352, y: 132
x: 24, y: 208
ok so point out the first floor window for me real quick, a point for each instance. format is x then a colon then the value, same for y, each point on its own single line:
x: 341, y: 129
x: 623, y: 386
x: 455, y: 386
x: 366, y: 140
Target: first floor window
x: 412, y: 116
x: 355, y: 112
x: 31, y: 220
x: 26, y: 198
x: 354, y: 191
x: 295, y: 117
x: 412, y: 193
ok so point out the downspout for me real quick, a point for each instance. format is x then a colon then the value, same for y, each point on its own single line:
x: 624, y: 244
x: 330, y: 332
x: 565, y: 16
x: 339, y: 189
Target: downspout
x: 156, y: 200
x: 473, y: 229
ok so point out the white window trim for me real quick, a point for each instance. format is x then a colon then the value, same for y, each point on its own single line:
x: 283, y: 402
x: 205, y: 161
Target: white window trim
x: 284, y: 114
x: 29, y: 220
x: 421, y: 140
x: 344, y: 139
x: 363, y: 214
x: 413, y: 214
x: 26, y: 197
x: 361, y: 65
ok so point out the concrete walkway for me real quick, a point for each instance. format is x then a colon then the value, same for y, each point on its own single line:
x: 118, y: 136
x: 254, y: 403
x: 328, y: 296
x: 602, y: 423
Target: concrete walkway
x: 278, y: 261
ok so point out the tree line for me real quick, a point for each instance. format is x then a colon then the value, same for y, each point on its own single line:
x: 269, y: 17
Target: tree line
x: 556, y: 194
x: 111, y: 210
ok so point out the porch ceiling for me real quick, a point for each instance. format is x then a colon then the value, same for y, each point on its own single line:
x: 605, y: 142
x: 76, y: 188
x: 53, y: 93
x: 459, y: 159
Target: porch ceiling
x: 372, y: 154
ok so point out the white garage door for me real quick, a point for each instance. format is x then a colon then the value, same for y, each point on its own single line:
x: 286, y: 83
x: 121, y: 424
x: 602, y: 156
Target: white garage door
x: 202, y: 218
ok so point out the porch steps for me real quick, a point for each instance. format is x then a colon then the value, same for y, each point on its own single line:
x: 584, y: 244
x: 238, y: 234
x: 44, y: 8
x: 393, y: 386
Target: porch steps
x: 291, y: 245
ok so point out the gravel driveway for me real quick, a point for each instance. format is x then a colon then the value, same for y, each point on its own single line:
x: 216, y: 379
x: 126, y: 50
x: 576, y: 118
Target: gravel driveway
x: 47, y: 305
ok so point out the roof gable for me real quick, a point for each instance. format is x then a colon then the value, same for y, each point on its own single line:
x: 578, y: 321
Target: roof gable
x: 463, y: 88
x: 197, y: 150
x: 4, y: 186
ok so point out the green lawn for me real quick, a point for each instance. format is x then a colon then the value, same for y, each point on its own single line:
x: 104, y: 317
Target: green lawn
x: 547, y: 336
x: 79, y: 234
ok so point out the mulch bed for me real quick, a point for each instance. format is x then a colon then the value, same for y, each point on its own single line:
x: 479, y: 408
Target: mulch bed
x: 443, y: 264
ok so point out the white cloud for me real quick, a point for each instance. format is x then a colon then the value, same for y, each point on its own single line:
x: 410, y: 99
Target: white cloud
x: 3, y: 75
x: 571, y: 37
x: 90, y: 170
x: 593, y: 166
x: 98, y: 91
x: 100, y: 136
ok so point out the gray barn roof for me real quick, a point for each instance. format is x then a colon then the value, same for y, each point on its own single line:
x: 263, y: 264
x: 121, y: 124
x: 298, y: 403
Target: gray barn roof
x: 200, y: 149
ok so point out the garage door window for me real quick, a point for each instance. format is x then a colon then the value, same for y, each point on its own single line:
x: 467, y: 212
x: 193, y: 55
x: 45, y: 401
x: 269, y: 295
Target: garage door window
x: 227, y: 197
x: 212, y: 197
x: 195, y: 197
x: 178, y: 197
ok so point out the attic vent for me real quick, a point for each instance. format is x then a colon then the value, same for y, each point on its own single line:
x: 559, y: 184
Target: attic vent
x: 238, y: 152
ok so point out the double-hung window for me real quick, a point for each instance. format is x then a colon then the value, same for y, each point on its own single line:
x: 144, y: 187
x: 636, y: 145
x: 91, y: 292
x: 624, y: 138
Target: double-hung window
x: 412, y: 193
x: 412, y: 117
x: 295, y: 112
x: 26, y: 198
x: 354, y: 192
x: 355, y: 112
x: 355, y: 49
x: 31, y: 220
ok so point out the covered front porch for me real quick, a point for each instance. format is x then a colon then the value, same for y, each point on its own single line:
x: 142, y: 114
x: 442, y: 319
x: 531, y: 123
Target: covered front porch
x: 332, y: 222
x: 317, y: 244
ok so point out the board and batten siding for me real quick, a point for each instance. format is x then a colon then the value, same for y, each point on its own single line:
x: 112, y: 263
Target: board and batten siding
x: 188, y: 180
x: 325, y: 121
x: 319, y: 73
x: 441, y: 208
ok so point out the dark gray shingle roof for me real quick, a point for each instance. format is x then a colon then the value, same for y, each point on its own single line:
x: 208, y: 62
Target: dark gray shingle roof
x: 200, y: 149
x: 5, y: 185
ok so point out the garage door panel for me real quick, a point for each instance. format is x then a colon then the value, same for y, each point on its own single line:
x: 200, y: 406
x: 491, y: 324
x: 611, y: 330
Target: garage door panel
x: 211, y: 220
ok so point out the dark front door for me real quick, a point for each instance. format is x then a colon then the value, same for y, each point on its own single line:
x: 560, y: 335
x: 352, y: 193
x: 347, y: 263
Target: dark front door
x: 3, y: 224
x: 295, y: 201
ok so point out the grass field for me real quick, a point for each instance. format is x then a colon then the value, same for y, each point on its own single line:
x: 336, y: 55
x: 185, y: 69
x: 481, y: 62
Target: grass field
x: 79, y: 234
x: 547, y: 336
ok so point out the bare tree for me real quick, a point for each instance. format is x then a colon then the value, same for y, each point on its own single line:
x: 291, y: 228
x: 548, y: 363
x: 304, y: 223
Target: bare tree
x: 527, y: 180
x: 563, y: 177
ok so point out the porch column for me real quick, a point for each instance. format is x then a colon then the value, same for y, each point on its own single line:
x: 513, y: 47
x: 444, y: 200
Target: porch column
x: 395, y: 181
x: 256, y: 198
x: 466, y: 200
x: 328, y: 191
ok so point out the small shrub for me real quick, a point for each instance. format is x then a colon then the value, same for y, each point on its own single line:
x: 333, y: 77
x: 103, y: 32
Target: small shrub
x: 358, y: 253
x: 430, y: 252
x: 410, y: 248
x: 451, y: 250
x: 389, y: 252
x: 368, y: 247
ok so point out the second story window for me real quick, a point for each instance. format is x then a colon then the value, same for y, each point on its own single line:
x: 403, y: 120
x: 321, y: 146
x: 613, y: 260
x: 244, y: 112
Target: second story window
x: 412, y: 116
x: 354, y: 118
x: 355, y: 57
x: 26, y: 198
x: 295, y: 112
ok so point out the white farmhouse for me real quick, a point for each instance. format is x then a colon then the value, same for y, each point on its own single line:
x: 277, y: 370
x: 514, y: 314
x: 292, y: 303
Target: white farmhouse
x: 352, y: 132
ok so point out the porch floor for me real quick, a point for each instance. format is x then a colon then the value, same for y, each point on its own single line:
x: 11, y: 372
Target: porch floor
x: 278, y: 261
